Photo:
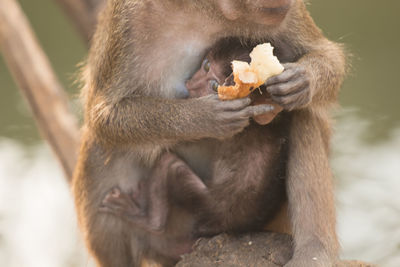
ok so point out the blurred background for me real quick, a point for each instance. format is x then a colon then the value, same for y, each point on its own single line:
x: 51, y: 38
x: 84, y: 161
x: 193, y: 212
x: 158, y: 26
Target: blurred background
x: 37, y: 221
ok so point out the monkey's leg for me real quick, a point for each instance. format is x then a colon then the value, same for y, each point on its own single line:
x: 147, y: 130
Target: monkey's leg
x: 243, y: 198
x: 110, y: 240
x: 310, y: 191
x: 185, y: 187
x: 171, y: 178
x: 148, y: 207
x: 113, y: 243
x: 171, y: 181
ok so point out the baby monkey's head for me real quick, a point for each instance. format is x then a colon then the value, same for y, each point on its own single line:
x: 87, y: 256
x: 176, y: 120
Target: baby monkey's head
x: 216, y: 68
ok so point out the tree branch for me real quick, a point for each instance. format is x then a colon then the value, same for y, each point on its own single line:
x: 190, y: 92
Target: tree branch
x: 33, y: 74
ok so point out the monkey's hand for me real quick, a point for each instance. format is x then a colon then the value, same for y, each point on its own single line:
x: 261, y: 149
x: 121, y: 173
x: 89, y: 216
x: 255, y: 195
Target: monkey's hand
x: 227, y: 118
x: 291, y: 89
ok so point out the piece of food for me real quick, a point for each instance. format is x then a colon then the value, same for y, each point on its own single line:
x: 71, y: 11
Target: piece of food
x: 248, y: 77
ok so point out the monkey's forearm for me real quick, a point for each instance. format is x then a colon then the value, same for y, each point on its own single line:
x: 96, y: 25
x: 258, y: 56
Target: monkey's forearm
x: 146, y: 119
x: 327, y: 69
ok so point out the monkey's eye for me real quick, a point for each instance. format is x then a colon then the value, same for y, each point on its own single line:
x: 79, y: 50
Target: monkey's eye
x: 206, y: 65
x: 214, y: 85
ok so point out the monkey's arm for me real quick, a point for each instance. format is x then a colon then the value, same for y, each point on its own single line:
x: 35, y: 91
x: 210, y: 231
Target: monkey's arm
x: 327, y: 62
x: 312, y: 81
x: 141, y: 119
x: 319, y: 71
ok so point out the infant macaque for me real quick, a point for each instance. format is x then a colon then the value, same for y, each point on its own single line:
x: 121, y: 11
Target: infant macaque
x: 246, y: 188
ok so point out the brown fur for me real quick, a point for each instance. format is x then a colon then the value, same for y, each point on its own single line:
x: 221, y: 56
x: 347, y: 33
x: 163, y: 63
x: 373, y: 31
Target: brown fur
x: 142, y: 53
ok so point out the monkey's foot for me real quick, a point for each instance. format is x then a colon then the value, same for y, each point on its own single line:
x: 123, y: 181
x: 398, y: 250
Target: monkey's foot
x: 312, y: 255
x: 120, y: 204
x: 129, y: 208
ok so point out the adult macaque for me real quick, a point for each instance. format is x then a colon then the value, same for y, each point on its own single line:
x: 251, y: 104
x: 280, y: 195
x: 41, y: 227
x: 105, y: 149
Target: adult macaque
x: 246, y: 187
x: 135, y: 110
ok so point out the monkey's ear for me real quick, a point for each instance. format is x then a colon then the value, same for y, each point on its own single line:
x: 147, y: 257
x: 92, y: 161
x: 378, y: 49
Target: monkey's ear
x: 229, y: 9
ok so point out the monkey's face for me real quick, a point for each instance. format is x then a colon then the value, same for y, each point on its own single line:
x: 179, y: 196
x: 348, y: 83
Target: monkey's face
x: 267, y: 12
x: 206, y: 80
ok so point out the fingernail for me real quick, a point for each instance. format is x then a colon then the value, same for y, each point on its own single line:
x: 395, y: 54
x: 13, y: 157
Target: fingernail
x: 269, y: 108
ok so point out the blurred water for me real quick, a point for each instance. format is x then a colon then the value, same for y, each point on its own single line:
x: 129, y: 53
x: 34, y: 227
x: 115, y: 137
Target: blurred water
x: 38, y: 225
x: 368, y: 192
x: 37, y: 220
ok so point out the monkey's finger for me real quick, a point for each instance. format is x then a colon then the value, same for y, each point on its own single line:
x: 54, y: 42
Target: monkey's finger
x: 292, y: 101
x: 110, y: 209
x: 212, y: 96
x: 285, y: 76
x: 236, y: 104
x: 290, y: 72
x: 290, y: 87
x: 252, y: 111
